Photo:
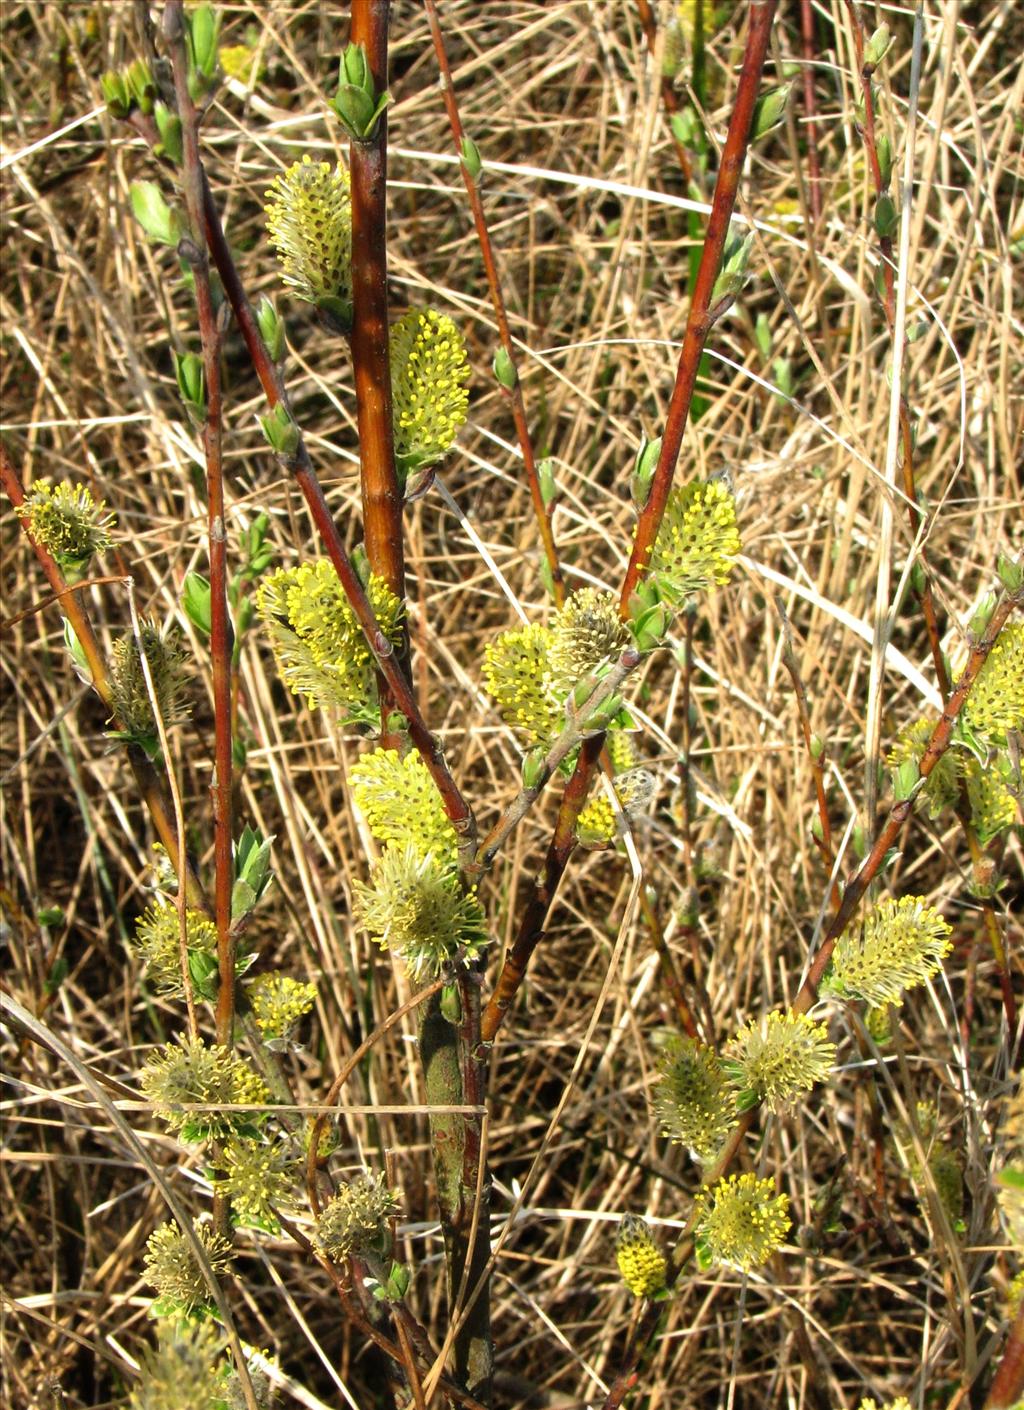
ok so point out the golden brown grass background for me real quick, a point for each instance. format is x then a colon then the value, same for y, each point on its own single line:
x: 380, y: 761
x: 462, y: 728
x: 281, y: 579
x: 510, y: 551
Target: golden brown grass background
x: 562, y: 98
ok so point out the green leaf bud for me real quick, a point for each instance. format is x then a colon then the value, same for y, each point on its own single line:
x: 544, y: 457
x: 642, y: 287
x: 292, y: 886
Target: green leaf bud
x: 763, y: 336
x: 141, y: 88
x: 356, y: 102
x: 191, y: 377
x: 905, y: 778
x: 505, y: 370
x: 280, y: 430
x: 203, y: 28
x: 195, y: 602
x: 883, y: 150
x: 817, y: 747
x: 1010, y: 573
x: 733, y: 274
x: 644, y: 466
x: 886, y: 219
x: 451, y: 1004
x: 74, y: 647
x: 769, y: 110
x: 116, y: 95
x: 650, y: 626
x: 471, y: 158
x: 549, y: 490
x: 168, y: 125
x: 160, y: 221
x: 533, y: 768
x: 271, y: 327
x: 877, y: 47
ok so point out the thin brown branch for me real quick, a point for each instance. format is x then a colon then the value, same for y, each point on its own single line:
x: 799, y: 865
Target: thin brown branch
x: 698, y: 325
x: 514, y: 394
x: 147, y: 779
x: 221, y: 634
x: 383, y: 528
x: 700, y: 319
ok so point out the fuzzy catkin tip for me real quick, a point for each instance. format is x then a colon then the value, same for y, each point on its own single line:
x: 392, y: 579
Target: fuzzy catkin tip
x: 309, y: 221
x: 429, y: 369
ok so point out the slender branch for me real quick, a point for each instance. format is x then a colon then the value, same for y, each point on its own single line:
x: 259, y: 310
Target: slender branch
x: 221, y: 634
x: 456, y: 808
x: 531, y: 924
x: 146, y: 777
x: 698, y: 325
x: 483, y: 235
x: 809, y: 47
x: 700, y: 319
x: 566, y: 742
x: 669, y: 98
x: 381, y: 491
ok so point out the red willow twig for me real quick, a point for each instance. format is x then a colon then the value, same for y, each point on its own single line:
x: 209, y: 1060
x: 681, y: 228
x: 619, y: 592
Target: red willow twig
x: 669, y: 98
x: 221, y: 632
x: 515, y: 393
x: 808, y: 45
x: 381, y: 492
x: 299, y: 464
x: 147, y: 779
x: 698, y: 326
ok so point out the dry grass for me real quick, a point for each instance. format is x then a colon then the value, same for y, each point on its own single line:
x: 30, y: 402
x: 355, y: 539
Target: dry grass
x: 594, y: 255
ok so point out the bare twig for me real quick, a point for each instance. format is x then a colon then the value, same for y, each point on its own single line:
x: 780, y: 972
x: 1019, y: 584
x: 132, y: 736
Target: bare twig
x: 514, y: 394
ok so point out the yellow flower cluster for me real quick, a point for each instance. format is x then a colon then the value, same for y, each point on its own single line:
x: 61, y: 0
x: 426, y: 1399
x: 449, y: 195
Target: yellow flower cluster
x: 309, y: 220
x: 158, y: 941
x: 429, y: 370
x: 585, y: 633
x: 191, y: 1073
x: 415, y: 906
x: 900, y: 944
x: 241, y: 62
x: 401, y: 804
x: 184, y: 1368
x: 698, y: 541
x: 641, y: 1262
x: 596, y: 824
x: 257, y: 1178
x: 741, y: 1221
x: 68, y: 523
x: 356, y: 1219
x: 693, y: 1100
x: 129, y: 693
x: 517, y: 675
x: 941, y: 788
x: 172, y: 1268
x: 777, y: 1057
x: 317, y: 641
x: 278, y: 1002
x: 900, y: 1403
x: 996, y: 702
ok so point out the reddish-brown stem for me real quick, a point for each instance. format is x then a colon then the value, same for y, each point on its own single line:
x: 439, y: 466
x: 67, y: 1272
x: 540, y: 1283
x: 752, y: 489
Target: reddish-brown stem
x: 456, y: 808
x: 809, y: 47
x: 531, y: 925
x: 221, y: 634
x: 1007, y: 1386
x: 670, y: 975
x: 147, y: 779
x: 700, y: 319
x: 817, y: 760
x: 698, y: 325
x: 669, y: 98
x: 483, y: 235
x: 381, y: 492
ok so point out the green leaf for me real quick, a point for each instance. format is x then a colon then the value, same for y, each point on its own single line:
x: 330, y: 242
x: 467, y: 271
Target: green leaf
x: 195, y: 602
x: 159, y: 220
x: 769, y: 110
